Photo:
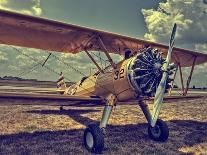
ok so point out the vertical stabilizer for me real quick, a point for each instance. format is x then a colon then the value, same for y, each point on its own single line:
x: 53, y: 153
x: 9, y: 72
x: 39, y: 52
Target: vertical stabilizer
x: 61, y: 85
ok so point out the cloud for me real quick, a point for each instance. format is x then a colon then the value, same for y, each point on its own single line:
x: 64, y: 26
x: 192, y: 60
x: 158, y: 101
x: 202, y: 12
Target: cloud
x: 191, y: 18
x: 37, y: 9
x: 189, y: 15
x: 31, y: 7
x: 201, y: 47
x: 3, y: 57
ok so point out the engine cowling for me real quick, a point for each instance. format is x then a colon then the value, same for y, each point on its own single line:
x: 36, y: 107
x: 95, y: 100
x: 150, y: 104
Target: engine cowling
x: 145, y: 72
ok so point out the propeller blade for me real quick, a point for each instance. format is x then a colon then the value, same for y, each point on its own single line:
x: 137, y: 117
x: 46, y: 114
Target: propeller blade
x: 161, y: 87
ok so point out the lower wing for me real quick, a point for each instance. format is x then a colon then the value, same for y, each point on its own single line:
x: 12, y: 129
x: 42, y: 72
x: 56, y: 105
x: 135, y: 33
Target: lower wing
x: 51, y: 99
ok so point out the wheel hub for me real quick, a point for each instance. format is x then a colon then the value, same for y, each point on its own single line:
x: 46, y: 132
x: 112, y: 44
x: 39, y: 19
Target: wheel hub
x: 89, y: 139
x: 156, y: 131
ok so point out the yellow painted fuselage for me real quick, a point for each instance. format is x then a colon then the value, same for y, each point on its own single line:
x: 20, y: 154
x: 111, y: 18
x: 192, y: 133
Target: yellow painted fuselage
x: 111, y: 81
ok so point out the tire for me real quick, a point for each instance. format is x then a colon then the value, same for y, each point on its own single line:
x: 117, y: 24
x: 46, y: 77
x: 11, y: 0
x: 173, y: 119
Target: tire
x: 159, y: 132
x: 93, y: 139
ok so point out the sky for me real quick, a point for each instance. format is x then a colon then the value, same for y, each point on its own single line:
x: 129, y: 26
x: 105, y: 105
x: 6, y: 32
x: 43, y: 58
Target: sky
x: 150, y: 20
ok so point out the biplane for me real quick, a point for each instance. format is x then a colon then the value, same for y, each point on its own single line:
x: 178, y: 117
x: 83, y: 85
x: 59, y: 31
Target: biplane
x: 145, y: 71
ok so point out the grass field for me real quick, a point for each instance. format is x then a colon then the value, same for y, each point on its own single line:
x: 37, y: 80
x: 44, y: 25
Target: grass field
x: 46, y: 130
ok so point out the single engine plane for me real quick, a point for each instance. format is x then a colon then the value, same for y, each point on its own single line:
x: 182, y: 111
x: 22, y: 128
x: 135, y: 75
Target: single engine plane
x: 145, y: 71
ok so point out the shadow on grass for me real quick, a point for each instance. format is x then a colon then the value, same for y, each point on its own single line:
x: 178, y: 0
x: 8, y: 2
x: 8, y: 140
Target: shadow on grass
x: 75, y: 114
x: 125, y: 139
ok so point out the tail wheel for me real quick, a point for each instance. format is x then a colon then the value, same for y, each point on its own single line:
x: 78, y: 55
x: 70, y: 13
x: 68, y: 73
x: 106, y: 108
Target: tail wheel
x: 159, y: 132
x: 94, y: 139
x: 61, y: 108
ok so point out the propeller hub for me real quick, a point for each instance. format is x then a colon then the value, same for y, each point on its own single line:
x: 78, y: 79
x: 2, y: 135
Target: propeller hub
x: 157, y: 69
x: 157, y: 65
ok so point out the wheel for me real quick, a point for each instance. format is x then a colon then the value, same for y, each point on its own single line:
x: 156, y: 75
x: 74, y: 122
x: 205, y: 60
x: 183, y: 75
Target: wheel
x: 94, y: 139
x: 159, y: 132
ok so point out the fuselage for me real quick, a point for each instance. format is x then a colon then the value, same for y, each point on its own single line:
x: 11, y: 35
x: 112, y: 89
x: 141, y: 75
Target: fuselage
x: 111, y: 81
x: 138, y: 75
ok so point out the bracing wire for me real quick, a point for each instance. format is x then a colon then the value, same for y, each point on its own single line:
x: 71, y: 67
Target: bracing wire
x: 31, y: 69
x: 34, y: 59
x: 81, y: 73
x: 99, y: 54
x: 52, y: 70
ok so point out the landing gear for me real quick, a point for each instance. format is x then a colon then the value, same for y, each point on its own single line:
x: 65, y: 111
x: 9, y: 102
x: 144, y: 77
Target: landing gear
x: 94, y: 135
x: 61, y: 108
x: 94, y: 138
x: 159, y: 132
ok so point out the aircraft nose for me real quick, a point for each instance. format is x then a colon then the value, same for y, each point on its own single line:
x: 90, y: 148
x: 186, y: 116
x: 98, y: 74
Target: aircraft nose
x: 146, y: 71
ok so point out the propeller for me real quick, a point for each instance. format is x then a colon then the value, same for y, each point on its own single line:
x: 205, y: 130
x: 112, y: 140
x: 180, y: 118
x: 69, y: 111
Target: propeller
x: 159, y: 95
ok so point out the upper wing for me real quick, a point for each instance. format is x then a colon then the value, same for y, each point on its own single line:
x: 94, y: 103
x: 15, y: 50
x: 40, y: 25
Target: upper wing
x: 35, y: 32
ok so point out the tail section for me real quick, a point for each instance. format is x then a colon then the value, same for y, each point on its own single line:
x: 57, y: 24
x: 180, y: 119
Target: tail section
x: 61, y: 85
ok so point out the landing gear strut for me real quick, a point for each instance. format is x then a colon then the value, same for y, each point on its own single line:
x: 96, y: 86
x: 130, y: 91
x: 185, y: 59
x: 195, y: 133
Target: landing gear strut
x: 160, y: 131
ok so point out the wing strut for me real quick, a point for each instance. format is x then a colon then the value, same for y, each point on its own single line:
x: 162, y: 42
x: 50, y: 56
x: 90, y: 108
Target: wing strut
x: 190, y: 76
x: 46, y: 59
x: 94, y: 61
x: 172, y: 84
x: 184, y: 88
x: 107, y: 53
x: 181, y: 78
